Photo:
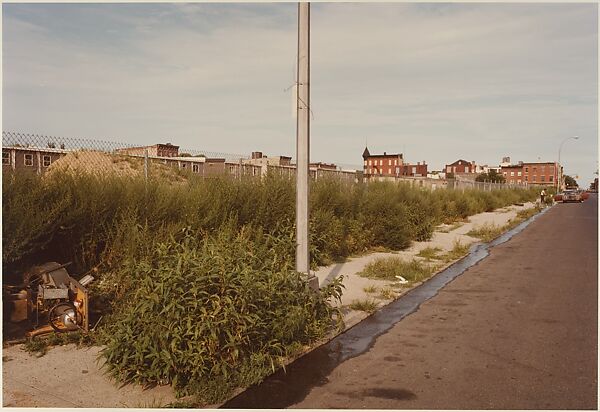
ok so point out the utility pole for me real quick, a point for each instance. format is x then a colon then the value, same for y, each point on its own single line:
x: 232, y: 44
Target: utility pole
x: 303, y: 144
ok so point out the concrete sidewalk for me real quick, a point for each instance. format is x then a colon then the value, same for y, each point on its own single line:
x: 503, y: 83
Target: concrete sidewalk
x: 68, y: 377
x: 443, y: 237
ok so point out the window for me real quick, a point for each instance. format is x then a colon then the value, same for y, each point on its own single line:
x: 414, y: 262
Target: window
x: 543, y: 178
x: 28, y: 160
x: 195, y: 168
x: 365, y: 162
x: 389, y: 162
x: 519, y: 173
x: 397, y: 170
x: 534, y: 169
x: 534, y: 178
x: 381, y: 162
x: 551, y: 168
x: 389, y: 170
x: 526, y: 169
x: 46, y: 160
x: 512, y: 173
x: 448, y: 169
x: 370, y: 163
x: 5, y: 158
x: 504, y: 173
x: 395, y: 162
x: 519, y: 181
x: 414, y: 170
x: 543, y: 168
x: 526, y: 178
x: 551, y: 178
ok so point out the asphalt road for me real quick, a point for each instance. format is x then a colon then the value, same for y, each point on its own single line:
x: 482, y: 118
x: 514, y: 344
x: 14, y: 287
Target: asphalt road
x: 516, y: 331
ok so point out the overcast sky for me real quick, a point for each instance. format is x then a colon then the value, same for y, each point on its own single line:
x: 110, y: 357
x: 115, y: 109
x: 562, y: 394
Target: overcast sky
x: 437, y: 82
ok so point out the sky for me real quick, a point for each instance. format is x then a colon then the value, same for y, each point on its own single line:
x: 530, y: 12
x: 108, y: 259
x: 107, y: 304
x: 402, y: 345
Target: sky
x: 437, y: 82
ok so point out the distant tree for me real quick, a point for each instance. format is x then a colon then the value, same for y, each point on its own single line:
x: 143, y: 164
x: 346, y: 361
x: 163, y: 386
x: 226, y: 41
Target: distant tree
x: 491, y: 176
x: 570, y: 182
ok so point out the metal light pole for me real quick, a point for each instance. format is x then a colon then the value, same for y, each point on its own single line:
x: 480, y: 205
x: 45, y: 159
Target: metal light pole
x: 303, y: 144
x: 559, y: 171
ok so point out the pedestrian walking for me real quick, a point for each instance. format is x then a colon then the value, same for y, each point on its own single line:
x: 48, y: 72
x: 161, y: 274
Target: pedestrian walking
x: 542, y: 196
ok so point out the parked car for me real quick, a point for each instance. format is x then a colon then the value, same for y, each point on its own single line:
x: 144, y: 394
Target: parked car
x: 571, y: 196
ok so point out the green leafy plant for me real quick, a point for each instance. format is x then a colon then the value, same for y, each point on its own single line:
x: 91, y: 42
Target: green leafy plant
x: 216, y: 313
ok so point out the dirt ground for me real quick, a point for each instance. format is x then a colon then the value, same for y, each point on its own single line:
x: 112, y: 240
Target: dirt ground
x: 69, y: 377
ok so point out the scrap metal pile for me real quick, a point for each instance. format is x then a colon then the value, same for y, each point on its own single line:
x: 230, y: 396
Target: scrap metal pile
x: 49, y: 299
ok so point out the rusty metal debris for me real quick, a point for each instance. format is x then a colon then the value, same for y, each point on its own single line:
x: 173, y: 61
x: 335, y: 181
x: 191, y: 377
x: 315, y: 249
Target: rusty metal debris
x: 50, y: 299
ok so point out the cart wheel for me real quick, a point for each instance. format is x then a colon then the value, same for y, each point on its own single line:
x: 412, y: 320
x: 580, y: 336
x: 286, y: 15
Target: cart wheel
x: 63, y: 317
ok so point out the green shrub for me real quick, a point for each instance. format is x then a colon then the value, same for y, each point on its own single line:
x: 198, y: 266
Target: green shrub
x: 213, y: 314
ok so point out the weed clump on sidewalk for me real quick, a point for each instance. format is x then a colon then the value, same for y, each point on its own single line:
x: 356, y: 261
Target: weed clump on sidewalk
x: 486, y: 232
x: 391, y: 268
x: 366, y: 305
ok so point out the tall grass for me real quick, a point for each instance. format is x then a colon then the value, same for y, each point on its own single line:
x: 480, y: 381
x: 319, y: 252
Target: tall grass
x: 93, y: 219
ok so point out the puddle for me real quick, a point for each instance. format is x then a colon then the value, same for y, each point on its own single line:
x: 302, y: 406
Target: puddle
x: 285, y: 388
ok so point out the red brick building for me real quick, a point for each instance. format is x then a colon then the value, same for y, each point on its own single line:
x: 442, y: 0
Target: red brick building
x: 382, y: 165
x: 418, y: 170
x: 538, y: 173
x: 461, y: 167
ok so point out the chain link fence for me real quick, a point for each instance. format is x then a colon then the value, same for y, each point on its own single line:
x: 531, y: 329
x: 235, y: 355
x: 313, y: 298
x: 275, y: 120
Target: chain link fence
x: 49, y: 154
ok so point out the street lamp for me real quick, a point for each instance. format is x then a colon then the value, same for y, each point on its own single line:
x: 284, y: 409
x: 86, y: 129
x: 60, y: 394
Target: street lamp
x: 558, y: 172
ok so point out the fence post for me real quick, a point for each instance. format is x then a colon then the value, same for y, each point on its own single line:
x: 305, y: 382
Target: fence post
x: 146, y: 166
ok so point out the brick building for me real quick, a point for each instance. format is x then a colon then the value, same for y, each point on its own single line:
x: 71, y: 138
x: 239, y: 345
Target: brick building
x: 538, y: 173
x: 418, y: 170
x: 260, y: 159
x: 157, y: 150
x: 461, y: 167
x: 382, y: 165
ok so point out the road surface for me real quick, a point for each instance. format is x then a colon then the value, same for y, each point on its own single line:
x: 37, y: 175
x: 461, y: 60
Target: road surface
x: 516, y: 331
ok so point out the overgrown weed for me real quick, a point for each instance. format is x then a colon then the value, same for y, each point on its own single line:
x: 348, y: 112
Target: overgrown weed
x: 391, y: 268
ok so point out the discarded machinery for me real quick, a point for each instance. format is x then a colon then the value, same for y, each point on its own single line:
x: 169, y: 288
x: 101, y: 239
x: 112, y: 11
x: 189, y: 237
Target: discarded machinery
x: 55, y: 300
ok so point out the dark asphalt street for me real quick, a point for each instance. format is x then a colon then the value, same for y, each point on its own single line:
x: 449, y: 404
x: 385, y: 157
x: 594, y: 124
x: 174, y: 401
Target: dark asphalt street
x: 516, y: 331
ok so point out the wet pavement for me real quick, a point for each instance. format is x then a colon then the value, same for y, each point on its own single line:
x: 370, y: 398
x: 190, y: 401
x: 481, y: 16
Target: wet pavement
x: 343, y: 373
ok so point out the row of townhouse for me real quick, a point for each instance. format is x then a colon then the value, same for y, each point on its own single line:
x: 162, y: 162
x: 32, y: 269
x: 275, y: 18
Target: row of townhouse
x: 538, y: 173
x: 39, y: 159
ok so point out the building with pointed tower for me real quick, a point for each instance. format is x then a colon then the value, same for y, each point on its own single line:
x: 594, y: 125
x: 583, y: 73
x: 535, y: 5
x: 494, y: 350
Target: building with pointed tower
x: 382, y: 164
